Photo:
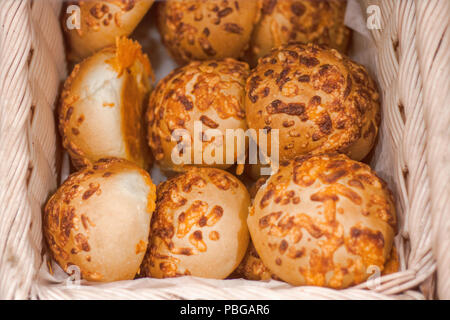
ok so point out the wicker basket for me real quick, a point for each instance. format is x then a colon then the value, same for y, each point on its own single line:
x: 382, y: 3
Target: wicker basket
x: 411, y: 65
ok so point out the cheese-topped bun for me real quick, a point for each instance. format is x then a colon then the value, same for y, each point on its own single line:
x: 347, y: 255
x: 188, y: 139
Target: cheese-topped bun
x: 323, y: 220
x: 205, y: 95
x: 319, y: 100
x: 100, y: 22
x: 103, y: 105
x: 99, y: 220
x: 199, y: 226
x: 304, y: 21
x: 205, y: 30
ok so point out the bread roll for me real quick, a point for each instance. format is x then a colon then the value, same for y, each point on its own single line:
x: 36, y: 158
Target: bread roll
x: 323, y: 220
x: 318, y: 99
x: 304, y: 21
x: 102, y: 108
x: 101, y: 21
x: 199, y: 226
x: 208, y: 93
x: 99, y: 220
x: 205, y: 30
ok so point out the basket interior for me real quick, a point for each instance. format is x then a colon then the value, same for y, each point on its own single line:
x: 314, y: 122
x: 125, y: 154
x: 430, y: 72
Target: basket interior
x: 378, y: 51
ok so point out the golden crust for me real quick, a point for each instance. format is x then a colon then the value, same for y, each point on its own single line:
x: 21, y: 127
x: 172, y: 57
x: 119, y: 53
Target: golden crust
x: 199, y: 226
x: 320, y: 101
x: 306, y: 21
x: 75, y: 227
x: 323, y: 220
x: 107, y: 92
x: 205, y: 30
x: 101, y: 21
x: 211, y: 92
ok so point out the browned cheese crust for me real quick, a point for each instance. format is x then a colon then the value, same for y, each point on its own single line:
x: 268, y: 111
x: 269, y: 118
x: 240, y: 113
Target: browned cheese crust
x: 199, y: 226
x: 84, y: 219
x: 306, y: 21
x: 323, y: 221
x: 211, y: 92
x: 102, y: 110
x: 101, y: 21
x: 320, y: 101
x: 205, y: 30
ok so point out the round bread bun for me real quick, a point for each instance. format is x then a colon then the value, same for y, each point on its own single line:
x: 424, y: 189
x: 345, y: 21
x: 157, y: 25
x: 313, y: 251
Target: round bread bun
x: 99, y: 220
x: 319, y: 100
x: 100, y: 22
x: 103, y: 105
x: 205, y: 30
x: 306, y: 21
x: 323, y: 220
x: 199, y: 226
x: 210, y: 94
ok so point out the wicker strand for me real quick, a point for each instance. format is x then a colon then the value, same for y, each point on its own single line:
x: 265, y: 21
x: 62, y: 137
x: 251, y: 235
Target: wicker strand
x: 29, y: 83
x: 434, y: 59
x: 413, y: 135
x: 15, y: 36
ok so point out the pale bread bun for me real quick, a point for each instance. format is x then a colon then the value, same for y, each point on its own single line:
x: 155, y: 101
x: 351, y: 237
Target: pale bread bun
x: 210, y: 93
x: 99, y: 220
x: 323, y: 220
x: 305, y: 21
x: 100, y: 23
x: 205, y: 30
x: 318, y: 99
x: 199, y: 226
x: 103, y: 106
